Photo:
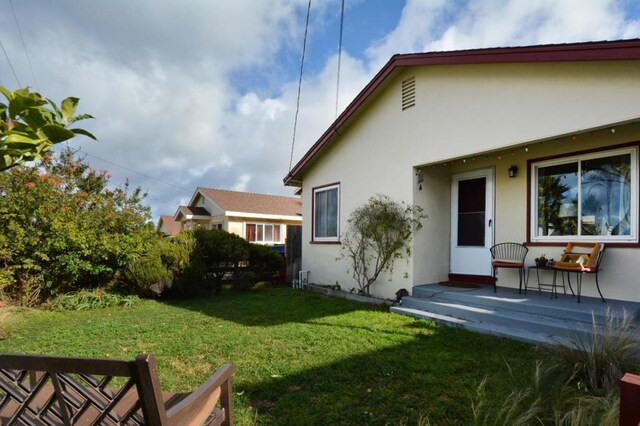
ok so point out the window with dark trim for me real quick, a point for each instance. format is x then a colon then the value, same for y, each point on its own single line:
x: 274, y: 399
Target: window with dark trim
x: 326, y: 213
x: 586, y: 197
x: 263, y: 232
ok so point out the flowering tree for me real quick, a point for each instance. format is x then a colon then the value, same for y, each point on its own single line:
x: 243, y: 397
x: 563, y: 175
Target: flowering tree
x: 378, y: 233
x: 62, y: 227
x: 30, y: 125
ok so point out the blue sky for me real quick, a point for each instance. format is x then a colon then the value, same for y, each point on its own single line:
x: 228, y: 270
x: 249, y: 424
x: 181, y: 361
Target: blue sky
x: 202, y: 93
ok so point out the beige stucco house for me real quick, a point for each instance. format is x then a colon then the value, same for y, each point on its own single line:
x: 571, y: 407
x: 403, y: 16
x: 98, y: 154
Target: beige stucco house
x: 531, y: 144
x: 259, y: 218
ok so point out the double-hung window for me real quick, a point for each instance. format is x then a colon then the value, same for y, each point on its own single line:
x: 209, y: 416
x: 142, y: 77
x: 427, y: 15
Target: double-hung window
x: 586, y: 197
x: 326, y: 211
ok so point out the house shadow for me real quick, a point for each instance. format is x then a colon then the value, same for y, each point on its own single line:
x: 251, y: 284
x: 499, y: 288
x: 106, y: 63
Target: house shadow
x: 264, y: 307
x: 433, y: 375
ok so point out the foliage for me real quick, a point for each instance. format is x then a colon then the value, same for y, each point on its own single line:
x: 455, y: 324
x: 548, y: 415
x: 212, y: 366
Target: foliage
x: 378, y: 233
x: 595, y: 362
x: 302, y: 358
x: 197, y: 261
x: 63, y: 228
x: 30, y: 125
x: 575, y: 383
x: 520, y: 408
x: 85, y: 299
x: 154, y: 272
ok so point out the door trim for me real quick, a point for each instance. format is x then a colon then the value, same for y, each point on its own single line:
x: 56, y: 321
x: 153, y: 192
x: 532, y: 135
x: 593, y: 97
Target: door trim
x: 489, y: 174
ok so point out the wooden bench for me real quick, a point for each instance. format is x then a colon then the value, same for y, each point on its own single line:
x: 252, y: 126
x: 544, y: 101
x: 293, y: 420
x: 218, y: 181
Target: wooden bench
x: 581, y: 258
x: 50, y: 390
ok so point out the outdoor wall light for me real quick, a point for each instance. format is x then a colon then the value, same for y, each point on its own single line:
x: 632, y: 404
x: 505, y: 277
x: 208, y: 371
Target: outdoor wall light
x: 513, y: 171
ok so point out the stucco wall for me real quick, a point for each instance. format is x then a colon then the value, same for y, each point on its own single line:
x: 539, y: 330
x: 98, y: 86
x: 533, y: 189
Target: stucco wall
x: 461, y: 111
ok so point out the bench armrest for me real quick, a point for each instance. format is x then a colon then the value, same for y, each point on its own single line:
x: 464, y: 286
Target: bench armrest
x: 196, y: 408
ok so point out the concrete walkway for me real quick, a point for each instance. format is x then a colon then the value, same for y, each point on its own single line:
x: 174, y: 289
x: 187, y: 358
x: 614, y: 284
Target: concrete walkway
x: 534, y: 318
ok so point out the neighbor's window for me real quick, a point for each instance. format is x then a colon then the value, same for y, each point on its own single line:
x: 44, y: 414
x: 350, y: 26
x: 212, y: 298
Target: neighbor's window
x: 586, y: 197
x: 263, y: 232
x: 326, y: 207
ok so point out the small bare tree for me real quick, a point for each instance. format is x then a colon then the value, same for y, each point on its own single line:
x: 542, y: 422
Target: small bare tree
x: 378, y: 233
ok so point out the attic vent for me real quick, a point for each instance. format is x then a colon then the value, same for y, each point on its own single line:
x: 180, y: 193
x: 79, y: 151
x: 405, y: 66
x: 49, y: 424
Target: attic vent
x: 408, y: 93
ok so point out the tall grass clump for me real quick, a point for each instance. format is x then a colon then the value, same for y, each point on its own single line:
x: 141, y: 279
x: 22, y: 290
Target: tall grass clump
x: 594, y: 362
x: 85, y: 299
x: 575, y: 382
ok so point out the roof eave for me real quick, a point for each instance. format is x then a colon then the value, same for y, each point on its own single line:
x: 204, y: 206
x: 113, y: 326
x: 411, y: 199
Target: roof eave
x: 590, y: 51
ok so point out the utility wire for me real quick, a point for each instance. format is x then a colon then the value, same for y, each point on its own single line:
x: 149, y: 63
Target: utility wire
x: 10, y: 66
x: 339, y: 55
x: 137, y: 172
x: 304, y: 49
x: 24, y: 45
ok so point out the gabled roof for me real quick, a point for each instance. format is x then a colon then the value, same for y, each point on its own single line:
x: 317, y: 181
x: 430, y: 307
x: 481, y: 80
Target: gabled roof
x: 249, y: 202
x: 591, y: 51
x: 189, y: 212
x: 171, y: 226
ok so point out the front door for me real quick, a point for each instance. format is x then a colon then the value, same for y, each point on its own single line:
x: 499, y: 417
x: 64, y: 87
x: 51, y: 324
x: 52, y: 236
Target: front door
x: 472, y: 222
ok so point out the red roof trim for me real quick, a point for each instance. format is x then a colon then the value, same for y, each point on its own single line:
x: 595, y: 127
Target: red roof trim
x: 591, y: 51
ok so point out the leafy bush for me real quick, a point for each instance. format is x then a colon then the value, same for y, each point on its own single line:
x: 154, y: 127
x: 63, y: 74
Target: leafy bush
x: 379, y: 232
x: 154, y: 272
x: 64, y: 228
x: 84, y: 300
x: 197, y: 261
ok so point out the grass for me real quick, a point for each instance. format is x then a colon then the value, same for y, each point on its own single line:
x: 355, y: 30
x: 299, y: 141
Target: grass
x: 302, y: 358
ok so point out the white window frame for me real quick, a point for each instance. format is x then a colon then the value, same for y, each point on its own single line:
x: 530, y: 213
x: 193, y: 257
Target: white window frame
x: 578, y: 158
x: 316, y: 238
x: 263, y: 233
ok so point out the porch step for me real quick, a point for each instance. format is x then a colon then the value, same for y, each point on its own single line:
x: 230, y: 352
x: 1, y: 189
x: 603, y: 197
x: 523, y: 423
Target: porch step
x: 564, y: 307
x: 478, y: 327
x: 499, y: 316
x: 534, y: 318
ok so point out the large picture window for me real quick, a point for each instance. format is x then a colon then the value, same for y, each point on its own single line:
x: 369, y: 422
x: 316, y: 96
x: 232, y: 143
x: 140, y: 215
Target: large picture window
x: 326, y: 207
x: 591, y: 196
x: 263, y: 233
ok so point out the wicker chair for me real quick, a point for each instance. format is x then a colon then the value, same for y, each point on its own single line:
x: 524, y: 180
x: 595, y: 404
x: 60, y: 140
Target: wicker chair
x: 510, y: 256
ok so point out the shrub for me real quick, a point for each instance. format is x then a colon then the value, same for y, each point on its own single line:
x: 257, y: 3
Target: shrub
x: 64, y: 228
x: 197, y: 261
x: 154, y: 273
x: 379, y: 232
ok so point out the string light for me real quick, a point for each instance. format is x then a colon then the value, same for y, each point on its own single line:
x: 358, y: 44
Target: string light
x: 574, y: 137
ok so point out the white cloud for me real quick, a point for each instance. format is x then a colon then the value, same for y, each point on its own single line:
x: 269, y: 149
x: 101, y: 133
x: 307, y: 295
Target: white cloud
x: 194, y: 93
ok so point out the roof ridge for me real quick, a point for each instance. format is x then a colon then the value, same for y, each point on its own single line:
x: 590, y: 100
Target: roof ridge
x: 249, y: 192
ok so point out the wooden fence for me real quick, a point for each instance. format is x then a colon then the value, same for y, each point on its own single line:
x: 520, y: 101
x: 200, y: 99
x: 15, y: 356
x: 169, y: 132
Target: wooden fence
x: 293, y: 251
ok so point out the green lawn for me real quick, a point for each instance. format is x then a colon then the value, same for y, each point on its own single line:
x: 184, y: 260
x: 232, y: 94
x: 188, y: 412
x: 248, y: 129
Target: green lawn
x: 302, y: 358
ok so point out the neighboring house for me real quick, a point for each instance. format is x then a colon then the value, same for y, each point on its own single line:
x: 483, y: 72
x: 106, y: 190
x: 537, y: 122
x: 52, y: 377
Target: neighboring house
x: 167, y: 226
x: 528, y: 144
x: 258, y: 218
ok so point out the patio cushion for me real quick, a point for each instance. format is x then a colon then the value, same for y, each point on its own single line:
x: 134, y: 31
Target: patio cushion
x: 499, y: 263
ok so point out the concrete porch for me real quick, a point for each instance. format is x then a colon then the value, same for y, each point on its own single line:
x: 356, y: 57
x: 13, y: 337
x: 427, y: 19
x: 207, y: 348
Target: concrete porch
x: 534, y: 318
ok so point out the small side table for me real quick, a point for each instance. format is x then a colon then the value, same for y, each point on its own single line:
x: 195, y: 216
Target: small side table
x: 551, y: 286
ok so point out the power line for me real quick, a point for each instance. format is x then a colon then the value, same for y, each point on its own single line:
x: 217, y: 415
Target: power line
x: 10, y: 66
x: 24, y: 45
x: 137, y: 172
x: 304, y: 49
x: 339, y: 55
